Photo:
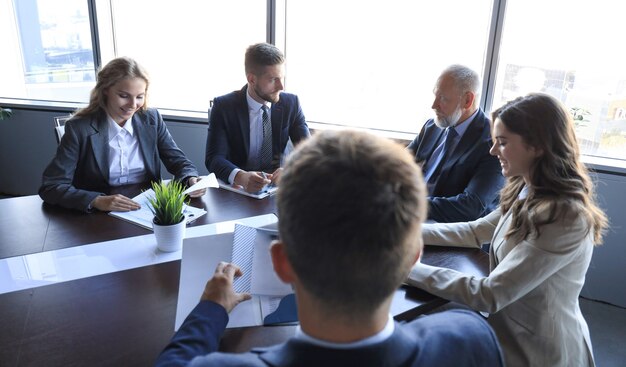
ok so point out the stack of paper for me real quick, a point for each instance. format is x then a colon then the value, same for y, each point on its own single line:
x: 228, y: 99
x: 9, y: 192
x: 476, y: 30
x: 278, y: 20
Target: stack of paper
x: 143, y: 216
x: 251, y: 253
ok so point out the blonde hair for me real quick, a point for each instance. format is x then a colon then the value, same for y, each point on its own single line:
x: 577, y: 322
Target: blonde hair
x: 116, y: 70
x: 559, y: 182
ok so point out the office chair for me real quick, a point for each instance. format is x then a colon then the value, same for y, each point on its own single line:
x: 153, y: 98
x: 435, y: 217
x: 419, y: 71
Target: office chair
x: 210, y: 108
x: 59, y: 126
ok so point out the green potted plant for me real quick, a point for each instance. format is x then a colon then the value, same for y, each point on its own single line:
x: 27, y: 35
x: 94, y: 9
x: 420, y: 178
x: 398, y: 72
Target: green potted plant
x: 167, y: 204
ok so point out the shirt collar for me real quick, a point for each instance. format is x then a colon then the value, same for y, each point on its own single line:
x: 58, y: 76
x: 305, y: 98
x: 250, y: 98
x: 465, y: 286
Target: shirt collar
x: 115, y: 129
x: 461, y: 127
x: 253, y: 105
x: 379, y: 337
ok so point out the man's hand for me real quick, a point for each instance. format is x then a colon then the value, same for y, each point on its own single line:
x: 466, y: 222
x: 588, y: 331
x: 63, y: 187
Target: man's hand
x: 219, y: 289
x: 276, y: 176
x: 117, y: 202
x: 195, y: 194
x: 252, y: 181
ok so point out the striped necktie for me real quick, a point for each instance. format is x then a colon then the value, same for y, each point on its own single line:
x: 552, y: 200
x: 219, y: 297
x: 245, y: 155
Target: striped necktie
x: 266, y: 147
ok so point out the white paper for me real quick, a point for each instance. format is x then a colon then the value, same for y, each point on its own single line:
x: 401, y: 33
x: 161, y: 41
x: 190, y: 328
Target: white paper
x: 200, y: 256
x: 257, y: 195
x: 143, y: 216
x: 203, y: 183
x: 261, y: 278
x: 269, y: 304
x: 264, y: 279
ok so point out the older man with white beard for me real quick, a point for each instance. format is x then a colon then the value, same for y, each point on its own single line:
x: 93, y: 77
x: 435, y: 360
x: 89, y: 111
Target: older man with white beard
x: 453, y: 150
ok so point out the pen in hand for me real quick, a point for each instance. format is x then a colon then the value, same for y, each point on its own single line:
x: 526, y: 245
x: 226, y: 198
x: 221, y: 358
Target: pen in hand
x: 267, y: 185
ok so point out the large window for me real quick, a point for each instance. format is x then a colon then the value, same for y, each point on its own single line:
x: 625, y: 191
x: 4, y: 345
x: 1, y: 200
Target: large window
x: 192, y: 49
x: 573, y: 51
x: 373, y: 64
x: 359, y: 63
x: 51, y: 49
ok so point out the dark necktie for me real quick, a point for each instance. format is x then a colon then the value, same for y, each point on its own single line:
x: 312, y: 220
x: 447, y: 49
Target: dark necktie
x: 266, y: 147
x: 433, y: 170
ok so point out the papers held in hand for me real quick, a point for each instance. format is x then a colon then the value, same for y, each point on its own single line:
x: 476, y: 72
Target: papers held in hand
x: 203, y: 183
x: 251, y: 253
x: 263, y: 193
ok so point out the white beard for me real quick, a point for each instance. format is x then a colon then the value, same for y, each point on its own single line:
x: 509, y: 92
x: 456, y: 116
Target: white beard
x: 449, y: 120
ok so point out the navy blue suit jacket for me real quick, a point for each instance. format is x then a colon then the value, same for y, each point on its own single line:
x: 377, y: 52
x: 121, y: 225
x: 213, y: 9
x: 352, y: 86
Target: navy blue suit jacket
x: 470, y: 179
x: 451, y: 338
x: 79, y: 171
x: 228, y: 139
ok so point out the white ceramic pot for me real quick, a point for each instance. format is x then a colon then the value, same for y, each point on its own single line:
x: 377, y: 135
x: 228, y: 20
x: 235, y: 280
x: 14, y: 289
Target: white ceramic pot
x: 170, y: 238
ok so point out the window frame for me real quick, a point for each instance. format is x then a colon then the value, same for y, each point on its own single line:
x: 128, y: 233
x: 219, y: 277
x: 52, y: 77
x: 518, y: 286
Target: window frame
x: 276, y: 34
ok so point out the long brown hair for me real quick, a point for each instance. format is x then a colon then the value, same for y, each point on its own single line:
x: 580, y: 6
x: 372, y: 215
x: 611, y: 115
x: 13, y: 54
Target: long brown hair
x: 117, y: 69
x: 558, y: 179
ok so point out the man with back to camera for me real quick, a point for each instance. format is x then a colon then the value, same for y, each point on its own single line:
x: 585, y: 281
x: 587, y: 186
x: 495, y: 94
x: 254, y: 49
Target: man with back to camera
x: 345, y: 248
x: 462, y: 178
x: 249, y: 129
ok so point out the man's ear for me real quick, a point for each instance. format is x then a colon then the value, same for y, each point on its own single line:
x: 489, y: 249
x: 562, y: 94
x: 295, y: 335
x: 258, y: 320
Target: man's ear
x: 418, y: 248
x: 281, y: 263
x: 468, y: 100
x: 251, y: 78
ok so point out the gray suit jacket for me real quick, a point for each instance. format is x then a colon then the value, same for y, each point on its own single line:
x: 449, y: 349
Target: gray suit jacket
x: 532, y: 289
x: 80, y: 169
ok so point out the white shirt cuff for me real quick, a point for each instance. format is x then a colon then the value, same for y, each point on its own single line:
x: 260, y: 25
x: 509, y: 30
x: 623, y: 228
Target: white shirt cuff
x: 231, y: 177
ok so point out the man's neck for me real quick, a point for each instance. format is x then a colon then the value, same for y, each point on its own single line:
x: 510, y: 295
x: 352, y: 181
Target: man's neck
x: 467, y: 113
x: 338, y: 328
x: 255, y: 96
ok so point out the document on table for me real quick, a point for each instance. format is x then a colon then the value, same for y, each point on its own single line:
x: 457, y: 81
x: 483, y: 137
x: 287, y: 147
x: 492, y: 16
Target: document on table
x: 143, y: 216
x: 263, y: 193
x: 202, y: 254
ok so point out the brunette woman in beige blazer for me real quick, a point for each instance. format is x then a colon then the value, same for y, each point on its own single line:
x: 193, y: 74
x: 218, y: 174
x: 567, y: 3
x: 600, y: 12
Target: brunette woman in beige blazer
x: 542, y: 237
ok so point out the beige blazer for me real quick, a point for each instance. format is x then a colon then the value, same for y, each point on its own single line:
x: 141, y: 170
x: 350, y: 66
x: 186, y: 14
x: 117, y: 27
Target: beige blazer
x: 531, y: 292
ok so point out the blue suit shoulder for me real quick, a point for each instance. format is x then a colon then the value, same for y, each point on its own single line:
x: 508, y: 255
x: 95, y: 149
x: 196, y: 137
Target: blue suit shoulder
x: 231, y: 97
x: 455, y: 338
x: 452, y: 338
x: 288, y: 98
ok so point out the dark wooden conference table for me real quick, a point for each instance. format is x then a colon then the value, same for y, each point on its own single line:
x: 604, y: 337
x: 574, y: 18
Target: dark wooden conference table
x: 125, y: 318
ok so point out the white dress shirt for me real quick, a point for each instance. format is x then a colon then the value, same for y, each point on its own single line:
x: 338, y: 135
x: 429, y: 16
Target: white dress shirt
x: 126, y: 164
x: 255, y: 112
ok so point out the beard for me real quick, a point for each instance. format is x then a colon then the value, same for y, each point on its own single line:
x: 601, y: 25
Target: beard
x: 271, y: 98
x: 447, y: 121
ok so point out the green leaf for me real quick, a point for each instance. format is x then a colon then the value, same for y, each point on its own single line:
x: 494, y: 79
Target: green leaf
x: 168, y: 202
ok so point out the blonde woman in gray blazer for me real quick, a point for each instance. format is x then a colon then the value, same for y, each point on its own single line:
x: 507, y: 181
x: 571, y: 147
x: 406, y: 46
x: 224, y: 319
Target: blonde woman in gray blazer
x: 114, y: 141
x: 542, y: 237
